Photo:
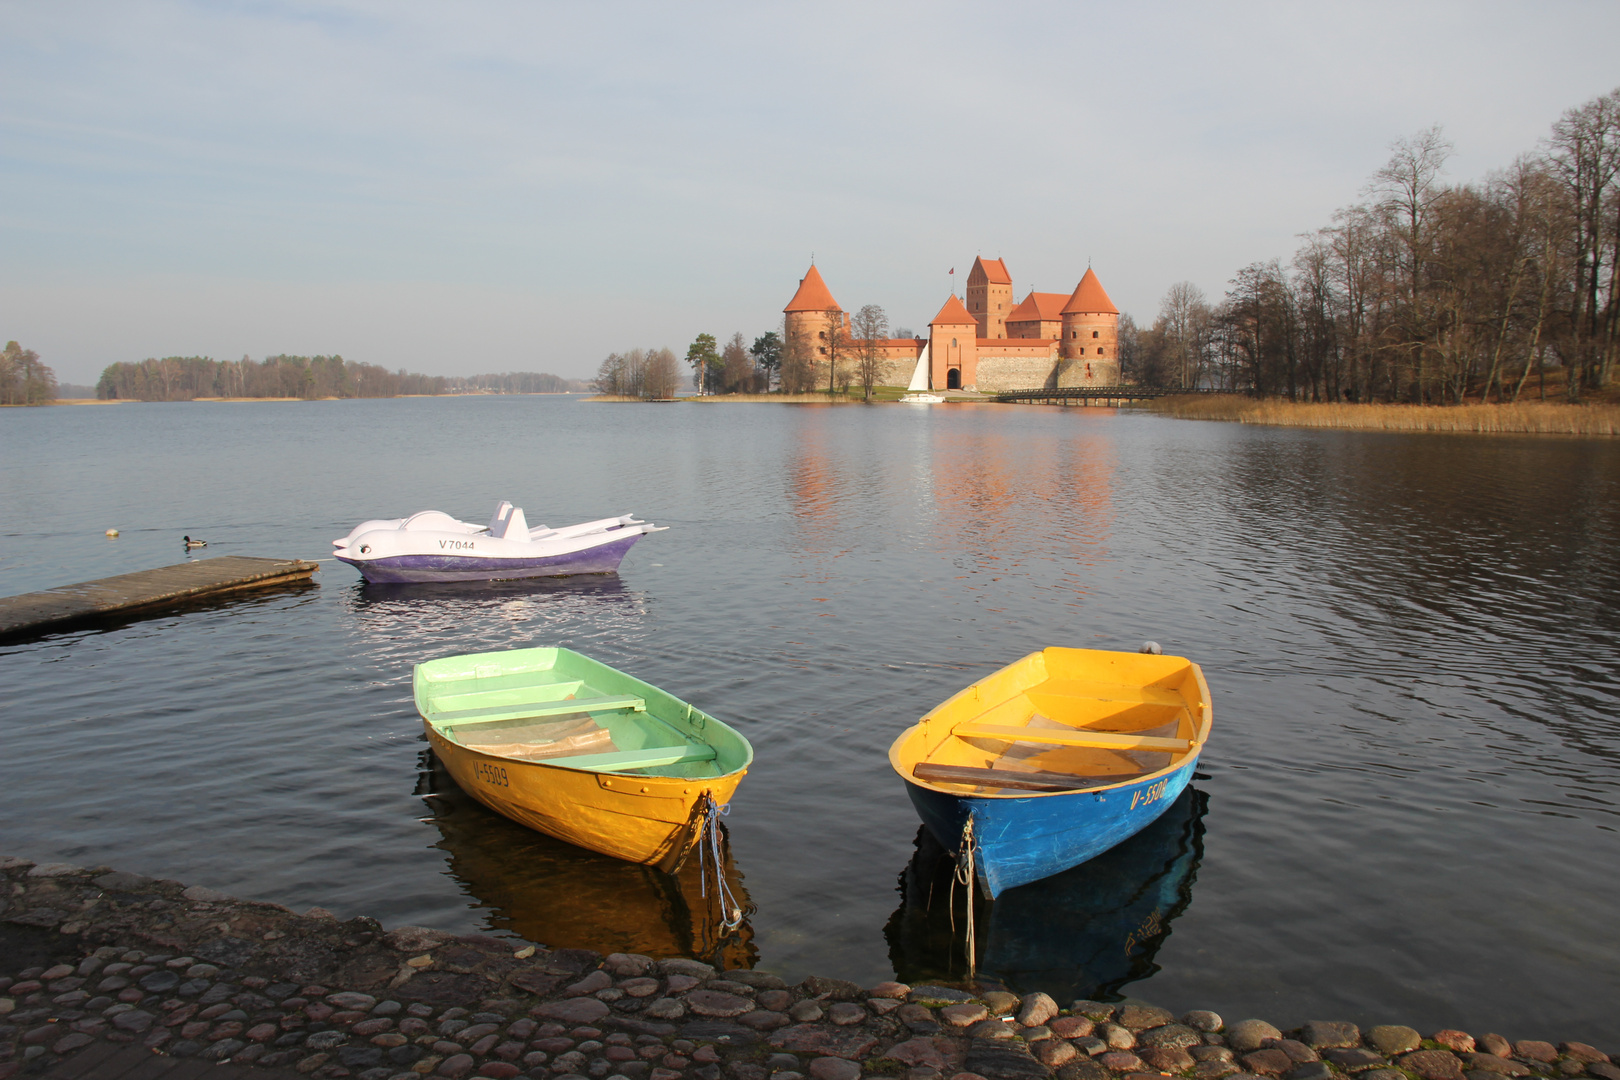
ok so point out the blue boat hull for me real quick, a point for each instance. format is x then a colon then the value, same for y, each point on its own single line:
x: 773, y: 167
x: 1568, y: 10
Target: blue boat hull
x: 1025, y: 838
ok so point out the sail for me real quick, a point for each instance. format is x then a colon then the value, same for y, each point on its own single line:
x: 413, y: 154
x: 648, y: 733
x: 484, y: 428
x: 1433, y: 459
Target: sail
x: 919, y: 375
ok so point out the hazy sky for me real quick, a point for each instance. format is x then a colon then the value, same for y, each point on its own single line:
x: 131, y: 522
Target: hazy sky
x: 464, y: 187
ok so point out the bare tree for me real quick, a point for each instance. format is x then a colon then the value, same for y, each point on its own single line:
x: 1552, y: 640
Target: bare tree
x: 835, y: 341
x: 661, y: 375
x: 871, y: 328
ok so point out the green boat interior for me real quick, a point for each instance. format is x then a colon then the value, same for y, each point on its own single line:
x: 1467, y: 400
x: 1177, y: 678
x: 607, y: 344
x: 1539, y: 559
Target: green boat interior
x: 557, y: 707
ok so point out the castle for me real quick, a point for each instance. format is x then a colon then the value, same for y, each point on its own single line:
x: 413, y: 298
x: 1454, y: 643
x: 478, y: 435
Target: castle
x: 990, y: 345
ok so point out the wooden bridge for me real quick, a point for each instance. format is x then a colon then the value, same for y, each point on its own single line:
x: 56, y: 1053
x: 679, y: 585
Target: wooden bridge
x: 1096, y: 395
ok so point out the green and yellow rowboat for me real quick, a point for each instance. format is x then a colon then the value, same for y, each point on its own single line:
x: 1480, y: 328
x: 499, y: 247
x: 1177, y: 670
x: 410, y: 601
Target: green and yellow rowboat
x: 581, y: 751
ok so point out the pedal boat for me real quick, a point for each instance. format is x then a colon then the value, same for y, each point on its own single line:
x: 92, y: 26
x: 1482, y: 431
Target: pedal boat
x: 1055, y: 758
x: 580, y: 751
x: 433, y: 546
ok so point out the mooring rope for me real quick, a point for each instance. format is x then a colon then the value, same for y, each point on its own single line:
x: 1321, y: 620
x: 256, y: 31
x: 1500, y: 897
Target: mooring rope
x: 731, y: 913
x: 965, y: 874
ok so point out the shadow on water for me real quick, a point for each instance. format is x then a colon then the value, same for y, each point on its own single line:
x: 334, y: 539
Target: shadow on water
x: 367, y: 595
x: 555, y: 894
x: 1084, y: 933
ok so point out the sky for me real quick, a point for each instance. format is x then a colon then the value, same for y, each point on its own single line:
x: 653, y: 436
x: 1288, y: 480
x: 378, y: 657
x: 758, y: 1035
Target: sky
x: 456, y: 188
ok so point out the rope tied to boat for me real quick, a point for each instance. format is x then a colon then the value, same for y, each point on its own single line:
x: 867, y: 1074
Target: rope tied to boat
x: 709, y: 860
x: 965, y: 874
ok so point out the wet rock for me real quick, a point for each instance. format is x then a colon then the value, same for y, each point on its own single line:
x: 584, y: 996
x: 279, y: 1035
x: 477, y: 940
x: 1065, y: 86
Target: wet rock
x: 1267, y: 1062
x: 833, y: 1068
x: 1460, y: 1041
x: 693, y: 969
x: 1355, y: 1059
x: 1492, y: 1064
x: 845, y: 1013
x: 582, y: 1010
x: 1202, y: 1020
x: 1003, y: 1060
x: 1392, y: 1039
x: 1247, y: 1035
x: 1081, y: 1069
x: 806, y: 1012
x: 718, y: 1003
x: 1121, y: 1061
x: 1309, y: 1070
x: 1096, y: 1010
x: 628, y: 965
x: 590, y: 984
x: 666, y: 1009
x: 1582, y: 1052
x: 1139, y: 1017
x: 831, y: 989
x: 1297, y: 1051
x: 764, y: 1020
x: 882, y: 1006
x: 1491, y: 1043
x: 1036, y: 1009
x: 825, y: 1041
x: 992, y: 1029
x: 1176, y: 1036
x: 1535, y: 1050
x: 918, y: 1053
x: 1072, y: 1027
x: 1165, y: 1058
x: 942, y: 995
x: 639, y: 987
x: 1432, y: 1064
x: 895, y: 991
x: 963, y: 1015
x: 1319, y: 1033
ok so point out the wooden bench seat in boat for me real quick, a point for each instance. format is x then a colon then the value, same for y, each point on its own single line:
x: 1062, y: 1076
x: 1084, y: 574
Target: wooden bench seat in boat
x: 525, y: 711
x: 650, y: 757
x: 1110, y: 740
x: 1005, y: 778
x: 1100, y: 691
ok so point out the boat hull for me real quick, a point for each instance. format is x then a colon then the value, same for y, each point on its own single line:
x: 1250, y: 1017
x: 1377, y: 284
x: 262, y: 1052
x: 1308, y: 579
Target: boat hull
x: 641, y: 819
x: 413, y: 568
x: 1020, y: 840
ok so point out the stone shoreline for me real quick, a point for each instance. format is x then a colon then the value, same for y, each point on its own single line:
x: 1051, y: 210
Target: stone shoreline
x: 95, y: 955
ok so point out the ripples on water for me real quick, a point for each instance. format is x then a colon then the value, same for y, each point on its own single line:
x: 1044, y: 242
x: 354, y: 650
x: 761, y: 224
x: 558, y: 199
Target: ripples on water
x: 1407, y: 811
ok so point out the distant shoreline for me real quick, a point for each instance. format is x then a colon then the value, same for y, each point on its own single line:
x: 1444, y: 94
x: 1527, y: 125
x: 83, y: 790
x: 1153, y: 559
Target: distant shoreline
x: 235, y: 400
x: 1510, y: 418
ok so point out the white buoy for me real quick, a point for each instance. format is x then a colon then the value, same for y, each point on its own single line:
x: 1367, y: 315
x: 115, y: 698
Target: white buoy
x: 112, y: 533
x: 1151, y: 648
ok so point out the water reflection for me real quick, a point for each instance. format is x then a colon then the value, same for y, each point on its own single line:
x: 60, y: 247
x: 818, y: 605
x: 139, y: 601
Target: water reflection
x: 546, y: 891
x: 1086, y: 932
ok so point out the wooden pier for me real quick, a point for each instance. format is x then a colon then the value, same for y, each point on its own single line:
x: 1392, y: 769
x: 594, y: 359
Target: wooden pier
x: 145, y: 590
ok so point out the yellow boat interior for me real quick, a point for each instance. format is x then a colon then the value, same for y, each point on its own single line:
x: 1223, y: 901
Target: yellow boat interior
x: 1060, y: 720
x: 611, y: 723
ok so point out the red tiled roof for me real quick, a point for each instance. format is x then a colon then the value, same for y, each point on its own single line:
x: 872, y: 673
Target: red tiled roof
x: 1089, y: 297
x: 1043, y: 306
x: 953, y: 314
x: 995, y: 271
x: 813, y: 294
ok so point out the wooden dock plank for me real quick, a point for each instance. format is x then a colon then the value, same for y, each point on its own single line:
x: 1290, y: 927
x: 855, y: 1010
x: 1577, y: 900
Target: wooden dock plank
x: 145, y: 590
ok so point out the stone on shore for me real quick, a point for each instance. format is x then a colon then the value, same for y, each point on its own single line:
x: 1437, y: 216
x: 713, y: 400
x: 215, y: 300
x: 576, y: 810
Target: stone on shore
x: 1462, y: 1042
x: 1247, y: 1035
x: 1320, y: 1033
x: 918, y: 1053
x: 1433, y: 1064
x: 1036, y: 1009
x: 1391, y: 1039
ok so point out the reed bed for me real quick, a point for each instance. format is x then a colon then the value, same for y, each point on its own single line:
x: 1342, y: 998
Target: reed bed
x: 768, y: 399
x: 1522, y: 418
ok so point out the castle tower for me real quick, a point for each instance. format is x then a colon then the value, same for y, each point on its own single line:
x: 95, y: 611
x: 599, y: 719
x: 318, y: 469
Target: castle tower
x: 1091, y: 334
x: 811, y: 312
x: 989, y: 296
x: 953, y: 348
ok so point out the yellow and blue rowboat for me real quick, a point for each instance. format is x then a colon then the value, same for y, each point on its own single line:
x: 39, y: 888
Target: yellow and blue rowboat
x: 1055, y: 758
x: 581, y: 751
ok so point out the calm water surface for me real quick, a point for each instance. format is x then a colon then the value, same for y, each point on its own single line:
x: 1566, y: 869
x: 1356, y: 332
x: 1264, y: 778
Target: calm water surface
x: 1407, y: 812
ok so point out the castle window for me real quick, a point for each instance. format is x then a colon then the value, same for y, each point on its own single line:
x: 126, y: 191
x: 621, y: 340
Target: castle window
x: 1099, y: 350
x: 1094, y: 333
x: 822, y: 351
x: 823, y: 336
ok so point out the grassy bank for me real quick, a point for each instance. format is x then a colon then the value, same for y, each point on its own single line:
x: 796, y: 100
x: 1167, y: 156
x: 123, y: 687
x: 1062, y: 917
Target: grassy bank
x: 880, y: 393
x: 1522, y: 418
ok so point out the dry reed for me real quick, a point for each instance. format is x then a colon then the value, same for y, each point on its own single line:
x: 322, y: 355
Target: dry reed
x: 768, y: 399
x: 1521, y: 418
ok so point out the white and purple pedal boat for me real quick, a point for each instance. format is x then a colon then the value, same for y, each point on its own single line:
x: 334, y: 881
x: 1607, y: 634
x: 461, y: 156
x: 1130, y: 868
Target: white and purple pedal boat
x: 433, y: 546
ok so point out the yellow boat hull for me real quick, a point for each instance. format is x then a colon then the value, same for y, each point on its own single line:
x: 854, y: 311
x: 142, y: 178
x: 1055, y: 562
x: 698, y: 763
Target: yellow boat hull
x: 654, y: 820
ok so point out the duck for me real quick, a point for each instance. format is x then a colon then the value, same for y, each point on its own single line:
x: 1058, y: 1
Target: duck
x: 190, y: 543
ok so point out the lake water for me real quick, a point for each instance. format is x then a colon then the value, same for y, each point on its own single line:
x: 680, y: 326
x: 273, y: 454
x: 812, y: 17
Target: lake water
x: 1407, y: 812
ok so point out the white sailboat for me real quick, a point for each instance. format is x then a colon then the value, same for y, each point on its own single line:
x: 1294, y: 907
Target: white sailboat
x: 917, y: 390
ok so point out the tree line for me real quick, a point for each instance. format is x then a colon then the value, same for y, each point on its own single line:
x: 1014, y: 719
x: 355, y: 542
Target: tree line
x: 1424, y: 291
x: 23, y: 379
x: 185, y: 378
x: 776, y: 361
